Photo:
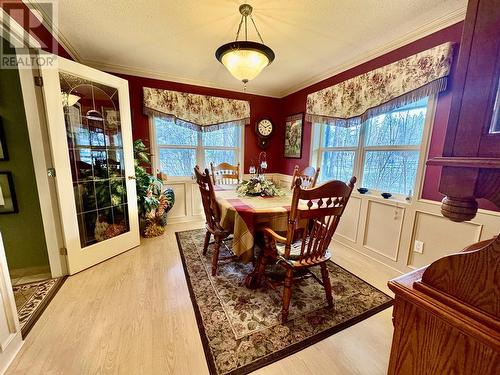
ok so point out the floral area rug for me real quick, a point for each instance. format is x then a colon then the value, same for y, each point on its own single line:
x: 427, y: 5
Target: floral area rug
x: 32, y: 299
x: 240, y: 328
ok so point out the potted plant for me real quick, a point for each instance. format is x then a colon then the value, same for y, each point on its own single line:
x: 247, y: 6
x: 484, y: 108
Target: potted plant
x: 153, y: 201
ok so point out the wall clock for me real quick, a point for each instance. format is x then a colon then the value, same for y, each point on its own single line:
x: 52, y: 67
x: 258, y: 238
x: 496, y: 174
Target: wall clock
x: 264, y: 129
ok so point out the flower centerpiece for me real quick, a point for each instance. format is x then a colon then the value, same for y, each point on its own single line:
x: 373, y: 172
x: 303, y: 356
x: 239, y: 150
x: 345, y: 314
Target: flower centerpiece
x: 259, y: 185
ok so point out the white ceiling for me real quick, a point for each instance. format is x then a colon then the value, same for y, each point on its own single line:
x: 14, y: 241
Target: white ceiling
x: 176, y: 39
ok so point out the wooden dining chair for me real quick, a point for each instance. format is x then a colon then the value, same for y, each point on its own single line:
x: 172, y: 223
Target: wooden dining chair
x: 225, y: 173
x: 308, y: 176
x: 318, y: 210
x: 212, y: 216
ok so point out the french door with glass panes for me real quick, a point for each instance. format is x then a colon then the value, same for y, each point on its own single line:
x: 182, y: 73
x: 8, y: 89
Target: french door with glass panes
x: 88, y: 115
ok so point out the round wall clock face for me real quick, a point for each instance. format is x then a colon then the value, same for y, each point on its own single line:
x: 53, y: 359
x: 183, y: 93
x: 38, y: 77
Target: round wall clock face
x: 264, y: 128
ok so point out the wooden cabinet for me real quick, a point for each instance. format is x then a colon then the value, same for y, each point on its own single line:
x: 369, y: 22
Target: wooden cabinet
x: 471, y: 156
x: 446, y: 315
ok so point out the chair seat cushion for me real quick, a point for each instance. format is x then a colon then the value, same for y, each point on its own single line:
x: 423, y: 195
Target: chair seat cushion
x: 294, y: 251
x: 295, y: 254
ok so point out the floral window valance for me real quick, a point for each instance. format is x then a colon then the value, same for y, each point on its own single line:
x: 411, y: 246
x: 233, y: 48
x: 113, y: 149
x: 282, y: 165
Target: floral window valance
x: 383, y: 89
x: 200, y: 112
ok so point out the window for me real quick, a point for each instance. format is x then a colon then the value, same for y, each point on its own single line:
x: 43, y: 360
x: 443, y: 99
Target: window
x: 339, y: 148
x: 383, y: 151
x: 180, y: 148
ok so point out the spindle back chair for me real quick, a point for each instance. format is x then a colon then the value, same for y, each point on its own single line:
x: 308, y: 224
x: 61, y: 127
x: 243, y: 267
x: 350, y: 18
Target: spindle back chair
x: 308, y: 176
x: 225, y: 174
x: 314, y: 217
x: 212, y: 215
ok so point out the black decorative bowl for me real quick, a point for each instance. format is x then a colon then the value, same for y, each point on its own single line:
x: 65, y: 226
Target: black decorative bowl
x: 386, y: 195
x: 363, y: 190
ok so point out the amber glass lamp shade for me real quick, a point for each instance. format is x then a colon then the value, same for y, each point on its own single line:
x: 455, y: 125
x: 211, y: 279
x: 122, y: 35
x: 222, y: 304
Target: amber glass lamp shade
x: 245, y: 60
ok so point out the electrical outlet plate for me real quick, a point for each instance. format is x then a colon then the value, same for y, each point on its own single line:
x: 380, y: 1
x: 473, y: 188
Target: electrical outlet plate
x: 418, y: 247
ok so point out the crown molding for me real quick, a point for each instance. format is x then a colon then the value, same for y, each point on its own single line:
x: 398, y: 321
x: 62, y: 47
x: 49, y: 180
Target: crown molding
x: 53, y: 29
x: 423, y: 31
x: 121, y: 69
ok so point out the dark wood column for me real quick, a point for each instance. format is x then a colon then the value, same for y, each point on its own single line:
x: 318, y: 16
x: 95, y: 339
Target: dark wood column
x: 471, y: 157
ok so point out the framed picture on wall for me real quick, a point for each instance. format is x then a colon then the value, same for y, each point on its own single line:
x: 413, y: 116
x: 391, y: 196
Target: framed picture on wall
x: 111, y: 118
x: 294, y: 129
x: 3, y: 144
x: 8, y: 202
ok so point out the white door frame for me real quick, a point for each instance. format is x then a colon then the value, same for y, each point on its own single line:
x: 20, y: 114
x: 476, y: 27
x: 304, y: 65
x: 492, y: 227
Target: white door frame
x: 42, y: 162
x: 10, y: 331
x: 35, y: 119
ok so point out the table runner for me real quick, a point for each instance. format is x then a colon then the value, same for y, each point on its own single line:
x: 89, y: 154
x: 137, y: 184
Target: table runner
x: 243, y: 214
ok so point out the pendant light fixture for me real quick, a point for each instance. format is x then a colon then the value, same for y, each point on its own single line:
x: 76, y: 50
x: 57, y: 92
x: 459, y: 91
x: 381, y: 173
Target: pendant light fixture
x: 68, y: 99
x: 245, y: 59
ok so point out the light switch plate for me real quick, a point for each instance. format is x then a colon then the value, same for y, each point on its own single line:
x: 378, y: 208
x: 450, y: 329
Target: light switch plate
x: 418, y: 247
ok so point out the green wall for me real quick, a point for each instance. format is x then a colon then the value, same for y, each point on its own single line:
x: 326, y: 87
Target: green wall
x: 23, y: 235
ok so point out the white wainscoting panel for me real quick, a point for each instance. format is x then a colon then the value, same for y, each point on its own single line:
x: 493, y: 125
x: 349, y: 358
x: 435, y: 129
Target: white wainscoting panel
x: 196, y: 205
x: 180, y: 206
x: 187, y: 201
x: 284, y: 181
x: 440, y: 237
x: 383, y: 229
x: 348, y: 226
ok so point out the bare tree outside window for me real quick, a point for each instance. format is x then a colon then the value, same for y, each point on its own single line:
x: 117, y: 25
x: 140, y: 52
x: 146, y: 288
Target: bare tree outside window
x: 180, y: 148
x: 340, y: 144
x: 383, y: 151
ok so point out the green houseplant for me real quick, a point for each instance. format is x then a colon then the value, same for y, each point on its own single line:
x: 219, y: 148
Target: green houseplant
x: 153, y: 201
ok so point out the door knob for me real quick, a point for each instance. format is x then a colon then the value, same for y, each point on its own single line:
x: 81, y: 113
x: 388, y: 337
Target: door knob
x: 131, y: 177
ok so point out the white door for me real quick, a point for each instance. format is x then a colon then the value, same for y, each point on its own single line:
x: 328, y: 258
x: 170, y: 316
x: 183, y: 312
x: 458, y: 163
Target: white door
x: 90, y: 131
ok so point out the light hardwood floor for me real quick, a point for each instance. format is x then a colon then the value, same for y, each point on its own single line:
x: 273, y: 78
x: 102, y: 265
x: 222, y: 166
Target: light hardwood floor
x: 132, y: 315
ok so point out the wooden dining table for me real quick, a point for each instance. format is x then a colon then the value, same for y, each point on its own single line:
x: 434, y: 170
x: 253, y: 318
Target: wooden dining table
x: 242, y: 215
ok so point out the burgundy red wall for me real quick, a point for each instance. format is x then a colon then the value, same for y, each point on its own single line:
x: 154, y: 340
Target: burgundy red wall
x: 278, y: 109
x: 40, y: 33
x: 260, y: 107
x: 296, y: 102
